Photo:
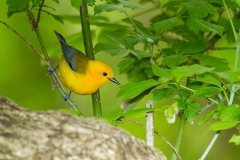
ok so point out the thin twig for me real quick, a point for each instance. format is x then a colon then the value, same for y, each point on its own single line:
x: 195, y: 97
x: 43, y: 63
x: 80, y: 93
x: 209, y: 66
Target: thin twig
x: 55, y: 79
x: 39, y: 13
x: 157, y: 133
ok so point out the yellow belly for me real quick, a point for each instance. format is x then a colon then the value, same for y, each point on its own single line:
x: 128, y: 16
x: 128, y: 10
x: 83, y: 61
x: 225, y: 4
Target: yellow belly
x: 82, y: 84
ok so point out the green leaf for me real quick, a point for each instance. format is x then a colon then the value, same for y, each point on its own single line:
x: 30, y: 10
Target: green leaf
x: 136, y: 113
x: 235, y: 139
x: 157, y: 71
x: 163, y: 2
x: 56, y: 17
x: 231, y: 76
x: 222, y: 125
x: 193, y: 47
x: 183, y: 94
x: 207, y: 117
x: 130, y: 5
x: 207, y: 91
x: 112, y: 116
x: 230, y: 113
x: 196, y: 24
x: 76, y: 3
x: 189, y: 71
x: 126, y: 64
x: 190, y: 112
x: 208, y: 78
x: 108, y: 8
x: 76, y: 113
x: 14, y: 5
x: 132, y: 90
x: 121, y: 41
x: 165, y: 24
x: 139, y: 54
x: 199, y: 9
x: 218, y: 63
x: 159, y: 94
x: 174, y: 60
x: 109, y: 48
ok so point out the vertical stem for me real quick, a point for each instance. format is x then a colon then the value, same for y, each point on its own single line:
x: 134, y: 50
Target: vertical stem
x: 179, y: 136
x: 96, y: 101
x: 150, y: 125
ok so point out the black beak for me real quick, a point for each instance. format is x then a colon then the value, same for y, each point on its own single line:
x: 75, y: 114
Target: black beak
x: 114, y: 81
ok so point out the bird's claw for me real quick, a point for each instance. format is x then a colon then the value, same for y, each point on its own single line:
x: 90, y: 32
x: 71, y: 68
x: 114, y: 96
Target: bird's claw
x: 52, y: 70
x: 66, y: 97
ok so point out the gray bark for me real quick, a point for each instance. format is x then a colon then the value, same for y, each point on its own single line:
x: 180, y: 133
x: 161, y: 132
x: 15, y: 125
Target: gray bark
x: 51, y: 135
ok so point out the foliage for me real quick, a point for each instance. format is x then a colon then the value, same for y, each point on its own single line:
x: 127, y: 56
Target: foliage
x: 174, y: 60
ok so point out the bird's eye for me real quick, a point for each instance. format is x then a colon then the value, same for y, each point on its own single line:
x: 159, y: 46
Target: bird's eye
x: 104, y: 74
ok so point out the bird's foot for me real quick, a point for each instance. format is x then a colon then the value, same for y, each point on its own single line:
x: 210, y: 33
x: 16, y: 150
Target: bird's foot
x: 66, y: 97
x: 52, y: 70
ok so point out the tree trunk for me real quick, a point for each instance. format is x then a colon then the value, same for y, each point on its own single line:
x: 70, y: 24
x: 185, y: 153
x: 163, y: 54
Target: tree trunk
x: 51, y: 135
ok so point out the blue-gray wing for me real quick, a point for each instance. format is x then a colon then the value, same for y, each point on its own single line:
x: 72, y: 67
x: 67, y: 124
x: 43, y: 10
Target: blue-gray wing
x: 75, y: 58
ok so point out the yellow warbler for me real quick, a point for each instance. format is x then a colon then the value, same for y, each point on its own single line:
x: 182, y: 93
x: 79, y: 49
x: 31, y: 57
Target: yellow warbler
x: 80, y: 74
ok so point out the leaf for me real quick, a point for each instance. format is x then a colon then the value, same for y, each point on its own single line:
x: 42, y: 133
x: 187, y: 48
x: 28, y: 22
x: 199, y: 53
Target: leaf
x: 76, y: 3
x: 230, y: 113
x: 208, y: 78
x: 231, y: 76
x: 174, y: 60
x: 130, y: 5
x: 165, y: 24
x: 190, y: 112
x: 121, y: 41
x: 56, y: 17
x: 159, y: 94
x: 189, y: 71
x: 112, y: 116
x: 109, y: 48
x: 126, y: 64
x: 76, y: 113
x: 235, y: 139
x: 157, y: 71
x: 199, y: 9
x: 222, y: 125
x: 132, y: 90
x: 183, y: 94
x: 196, y: 24
x: 136, y: 113
x: 108, y: 8
x: 207, y: 117
x: 218, y: 63
x: 139, y: 54
x: 193, y: 47
x: 207, y: 91
x: 14, y: 5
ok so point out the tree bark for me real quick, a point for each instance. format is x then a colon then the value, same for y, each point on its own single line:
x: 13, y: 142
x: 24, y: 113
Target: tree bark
x: 51, y: 135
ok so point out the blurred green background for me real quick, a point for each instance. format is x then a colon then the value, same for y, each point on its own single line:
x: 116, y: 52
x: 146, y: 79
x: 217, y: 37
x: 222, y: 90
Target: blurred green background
x: 24, y: 79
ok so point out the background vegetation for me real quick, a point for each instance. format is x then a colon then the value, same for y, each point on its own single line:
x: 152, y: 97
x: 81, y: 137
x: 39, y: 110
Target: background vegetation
x: 24, y: 76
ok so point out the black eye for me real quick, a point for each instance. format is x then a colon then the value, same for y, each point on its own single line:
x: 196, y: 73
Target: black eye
x: 104, y: 74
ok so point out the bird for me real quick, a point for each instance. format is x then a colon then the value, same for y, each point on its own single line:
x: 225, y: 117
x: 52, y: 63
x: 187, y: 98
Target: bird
x: 80, y: 74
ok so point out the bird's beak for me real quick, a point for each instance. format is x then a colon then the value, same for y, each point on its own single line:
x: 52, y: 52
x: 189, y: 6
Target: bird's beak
x: 114, y: 81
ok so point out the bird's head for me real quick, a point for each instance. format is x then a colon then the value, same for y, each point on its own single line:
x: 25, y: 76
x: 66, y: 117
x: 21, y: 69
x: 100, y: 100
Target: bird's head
x: 103, y: 73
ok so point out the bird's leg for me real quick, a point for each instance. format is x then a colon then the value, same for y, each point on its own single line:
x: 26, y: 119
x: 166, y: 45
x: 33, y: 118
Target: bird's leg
x: 50, y: 71
x: 67, y: 96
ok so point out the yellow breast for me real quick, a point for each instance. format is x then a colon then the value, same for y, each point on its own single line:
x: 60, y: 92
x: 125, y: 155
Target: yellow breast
x: 83, y: 84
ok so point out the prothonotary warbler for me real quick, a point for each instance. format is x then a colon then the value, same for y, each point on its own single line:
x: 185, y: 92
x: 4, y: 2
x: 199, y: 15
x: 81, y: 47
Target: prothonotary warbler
x: 80, y: 74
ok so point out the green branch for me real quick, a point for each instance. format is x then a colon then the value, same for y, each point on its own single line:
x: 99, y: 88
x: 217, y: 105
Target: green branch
x: 179, y: 137
x: 54, y: 78
x: 96, y: 101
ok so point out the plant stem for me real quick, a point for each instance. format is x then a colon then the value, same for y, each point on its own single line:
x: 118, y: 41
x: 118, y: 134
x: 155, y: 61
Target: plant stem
x: 179, y: 136
x: 96, y: 101
x: 46, y: 58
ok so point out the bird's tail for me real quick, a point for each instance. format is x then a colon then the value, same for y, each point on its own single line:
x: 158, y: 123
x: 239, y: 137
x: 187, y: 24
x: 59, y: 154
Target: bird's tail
x: 60, y: 38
